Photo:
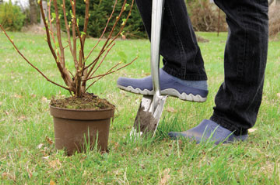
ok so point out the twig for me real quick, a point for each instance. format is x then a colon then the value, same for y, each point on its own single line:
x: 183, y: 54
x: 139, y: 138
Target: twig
x: 58, y: 33
x: 95, y: 60
x: 51, y: 30
x: 83, y: 37
x: 102, y: 60
x: 71, y: 74
x: 64, y: 73
x: 109, y: 72
x: 68, y: 32
x: 30, y: 62
x: 66, y: 46
x: 86, y: 22
x: 81, y: 51
x: 123, y: 25
x: 109, y: 37
x: 47, y: 31
x: 104, y: 30
x: 73, y: 4
x: 50, y: 21
x: 106, y: 72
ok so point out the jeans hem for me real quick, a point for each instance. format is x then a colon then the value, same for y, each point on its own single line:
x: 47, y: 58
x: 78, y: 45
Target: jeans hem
x: 182, y: 75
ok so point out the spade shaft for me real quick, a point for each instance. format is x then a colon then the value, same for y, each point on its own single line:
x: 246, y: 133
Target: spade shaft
x: 157, y: 11
x: 151, y: 107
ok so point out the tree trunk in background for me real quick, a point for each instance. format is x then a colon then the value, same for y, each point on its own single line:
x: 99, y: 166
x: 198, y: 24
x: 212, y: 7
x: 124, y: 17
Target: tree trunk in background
x: 33, y: 11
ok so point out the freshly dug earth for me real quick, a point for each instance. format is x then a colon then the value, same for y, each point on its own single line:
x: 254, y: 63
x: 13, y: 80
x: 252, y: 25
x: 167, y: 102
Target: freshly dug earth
x: 145, y: 122
x: 87, y: 102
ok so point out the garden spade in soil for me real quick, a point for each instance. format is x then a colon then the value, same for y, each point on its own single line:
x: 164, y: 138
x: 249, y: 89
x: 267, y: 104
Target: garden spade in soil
x: 151, y: 107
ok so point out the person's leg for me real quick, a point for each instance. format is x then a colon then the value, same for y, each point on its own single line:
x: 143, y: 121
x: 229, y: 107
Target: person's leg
x: 181, y: 53
x: 179, y: 48
x: 239, y: 97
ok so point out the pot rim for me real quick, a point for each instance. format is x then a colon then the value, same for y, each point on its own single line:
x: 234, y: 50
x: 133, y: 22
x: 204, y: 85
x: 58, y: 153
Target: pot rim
x: 82, y: 110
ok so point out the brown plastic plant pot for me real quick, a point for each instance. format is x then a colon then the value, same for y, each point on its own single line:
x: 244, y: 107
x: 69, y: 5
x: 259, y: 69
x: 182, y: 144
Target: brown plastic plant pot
x: 76, y: 130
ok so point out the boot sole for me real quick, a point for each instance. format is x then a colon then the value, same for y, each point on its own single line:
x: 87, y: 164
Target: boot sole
x: 169, y: 92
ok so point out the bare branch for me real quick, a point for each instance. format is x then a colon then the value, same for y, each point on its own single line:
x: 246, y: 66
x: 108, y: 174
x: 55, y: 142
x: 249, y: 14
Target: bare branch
x: 104, y: 30
x: 73, y: 18
x: 58, y: 33
x: 63, y: 71
x: 81, y: 51
x: 30, y: 62
x: 68, y: 31
x: 109, y: 72
x: 95, y: 60
x: 97, y: 76
x: 76, y: 83
x: 47, y: 31
x: 90, y: 75
x: 123, y: 25
x: 50, y: 22
x: 66, y: 46
x: 86, y: 22
x: 110, y: 35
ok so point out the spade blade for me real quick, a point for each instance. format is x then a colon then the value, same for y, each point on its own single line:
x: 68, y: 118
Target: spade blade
x: 146, y: 121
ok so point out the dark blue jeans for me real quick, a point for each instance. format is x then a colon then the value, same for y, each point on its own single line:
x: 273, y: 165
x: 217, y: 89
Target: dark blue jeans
x: 239, y: 97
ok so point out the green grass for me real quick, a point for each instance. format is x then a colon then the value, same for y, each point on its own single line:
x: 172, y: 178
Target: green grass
x: 25, y: 123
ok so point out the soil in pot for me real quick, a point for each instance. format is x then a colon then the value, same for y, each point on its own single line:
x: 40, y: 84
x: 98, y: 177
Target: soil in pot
x: 79, y: 123
x: 89, y: 101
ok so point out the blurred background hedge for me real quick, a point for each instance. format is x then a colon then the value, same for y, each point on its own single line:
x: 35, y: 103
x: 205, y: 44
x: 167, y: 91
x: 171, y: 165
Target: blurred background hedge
x: 205, y: 16
x: 11, y: 16
x: 100, y: 10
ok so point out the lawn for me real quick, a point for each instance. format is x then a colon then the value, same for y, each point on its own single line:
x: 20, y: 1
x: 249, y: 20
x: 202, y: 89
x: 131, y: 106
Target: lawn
x: 28, y: 156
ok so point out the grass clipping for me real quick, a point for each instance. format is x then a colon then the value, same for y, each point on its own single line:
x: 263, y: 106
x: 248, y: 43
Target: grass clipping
x: 87, y: 102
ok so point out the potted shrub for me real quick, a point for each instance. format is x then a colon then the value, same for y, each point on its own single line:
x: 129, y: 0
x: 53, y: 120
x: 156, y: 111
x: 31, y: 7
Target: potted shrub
x: 83, y: 117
